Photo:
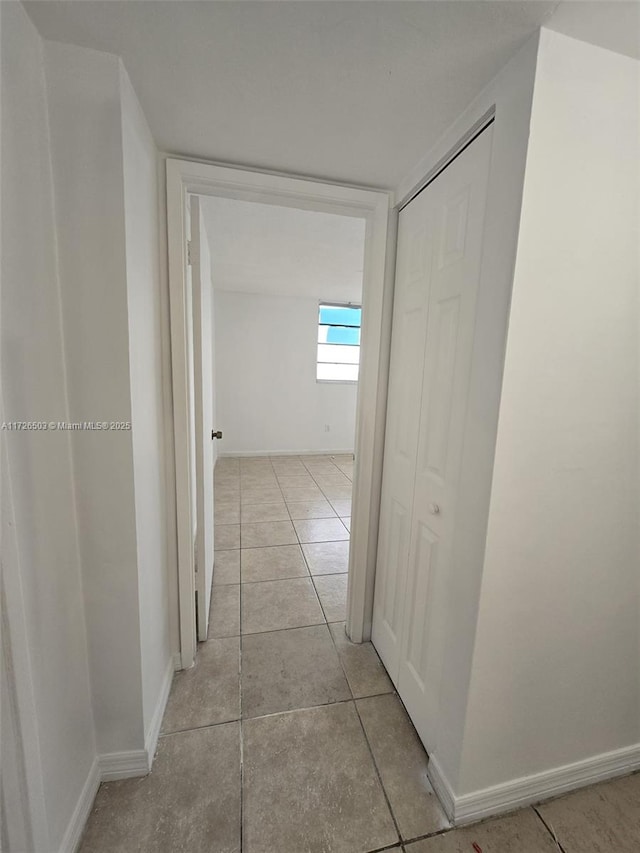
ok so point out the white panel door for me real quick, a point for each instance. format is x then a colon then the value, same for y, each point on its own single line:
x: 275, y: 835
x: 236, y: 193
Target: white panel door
x: 451, y: 220
x: 411, y: 300
x: 203, y: 414
x: 458, y: 200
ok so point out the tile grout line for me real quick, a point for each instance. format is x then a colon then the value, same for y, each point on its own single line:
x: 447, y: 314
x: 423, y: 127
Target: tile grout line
x: 344, y: 671
x: 292, y: 577
x: 315, y: 589
x: 549, y: 829
x: 199, y: 728
x: 355, y: 705
x: 257, y: 547
x: 377, y: 769
x: 289, y: 711
x: 387, y: 847
x: 435, y: 834
x: 241, y: 721
x: 274, y: 630
x: 284, y: 499
x: 296, y: 710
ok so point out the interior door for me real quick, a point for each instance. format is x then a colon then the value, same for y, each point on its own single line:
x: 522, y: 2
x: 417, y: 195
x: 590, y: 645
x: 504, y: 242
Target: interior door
x: 410, y: 311
x: 451, y: 222
x: 203, y: 412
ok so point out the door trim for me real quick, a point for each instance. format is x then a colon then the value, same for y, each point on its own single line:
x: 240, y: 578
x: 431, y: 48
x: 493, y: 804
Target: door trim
x: 15, y: 660
x: 186, y: 176
x: 447, y: 159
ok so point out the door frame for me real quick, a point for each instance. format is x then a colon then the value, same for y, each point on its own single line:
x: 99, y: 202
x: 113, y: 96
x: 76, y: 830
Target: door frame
x: 374, y: 206
x: 203, y: 439
x: 15, y: 660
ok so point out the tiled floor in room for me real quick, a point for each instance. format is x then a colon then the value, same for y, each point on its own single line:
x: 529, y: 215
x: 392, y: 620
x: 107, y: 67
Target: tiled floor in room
x: 286, y: 737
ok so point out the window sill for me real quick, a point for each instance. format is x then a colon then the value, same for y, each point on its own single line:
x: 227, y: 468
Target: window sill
x: 336, y: 381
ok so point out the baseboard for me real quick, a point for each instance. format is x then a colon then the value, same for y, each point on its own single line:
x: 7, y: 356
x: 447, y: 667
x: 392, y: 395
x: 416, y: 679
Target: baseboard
x: 117, y: 765
x: 114, y: 765
x: 531, y: 789
x: 75, y: 827
x: 441, y: 786
x: 223, y: 455
x: 123, y: 765
x: 151, y: 740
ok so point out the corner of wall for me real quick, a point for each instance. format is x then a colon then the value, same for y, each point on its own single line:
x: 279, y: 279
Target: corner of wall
x: 85, y: 117
x: 71, y: 839
x: 153, y: 731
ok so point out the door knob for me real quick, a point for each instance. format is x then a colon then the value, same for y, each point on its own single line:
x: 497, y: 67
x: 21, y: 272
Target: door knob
x: 216, y: 434
x: 434, y: 509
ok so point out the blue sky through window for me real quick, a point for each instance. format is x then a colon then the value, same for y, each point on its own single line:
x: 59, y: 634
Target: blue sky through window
x: 334, y: 315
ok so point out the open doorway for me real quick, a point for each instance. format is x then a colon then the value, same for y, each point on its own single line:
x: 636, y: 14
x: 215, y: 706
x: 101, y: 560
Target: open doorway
x: 286, y: 293
x: 370, y: 210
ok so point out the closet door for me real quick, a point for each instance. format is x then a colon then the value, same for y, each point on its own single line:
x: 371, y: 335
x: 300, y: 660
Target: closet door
x: 411, y: 301
x: 452, y: 222
x: 457, y: 200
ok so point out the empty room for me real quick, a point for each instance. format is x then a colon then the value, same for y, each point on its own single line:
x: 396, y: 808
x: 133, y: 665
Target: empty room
x: 320, y: 335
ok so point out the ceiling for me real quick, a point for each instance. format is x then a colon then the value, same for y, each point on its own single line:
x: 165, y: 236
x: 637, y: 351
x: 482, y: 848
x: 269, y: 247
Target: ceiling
x: 354, y: 92
x: 267, y: 249
x: 614, y: 25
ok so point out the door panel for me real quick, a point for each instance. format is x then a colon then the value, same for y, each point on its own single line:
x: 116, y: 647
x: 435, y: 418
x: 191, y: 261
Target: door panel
x: 429, y: 387
x: 411, y: 301
x: 425, y: 556
x: 397, y: 547
x: 435, y: 446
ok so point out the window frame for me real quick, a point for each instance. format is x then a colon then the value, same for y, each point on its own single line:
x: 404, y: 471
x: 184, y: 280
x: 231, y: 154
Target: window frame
x: 322, y: 303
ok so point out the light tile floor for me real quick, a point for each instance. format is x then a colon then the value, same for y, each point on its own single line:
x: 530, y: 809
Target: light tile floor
x: 288, y: 738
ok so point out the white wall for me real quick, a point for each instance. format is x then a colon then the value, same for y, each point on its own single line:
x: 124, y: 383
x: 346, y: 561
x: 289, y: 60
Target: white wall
x: 145, y: 365
x: 268, y: 400
x: 556, y: 677
x: 40, y: 473
x: 81, y: 342
x: 105, y: 177
x: 86, y: 135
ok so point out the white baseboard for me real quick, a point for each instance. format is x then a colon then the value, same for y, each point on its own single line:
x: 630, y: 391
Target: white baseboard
x: 123, y: 765
x: 138, y: 762
x: 521, y: 792
x: 225, y: 454
x: 441, y: 786
x: 75, y: 827
x: 151, y: 740
x: 117, y: 765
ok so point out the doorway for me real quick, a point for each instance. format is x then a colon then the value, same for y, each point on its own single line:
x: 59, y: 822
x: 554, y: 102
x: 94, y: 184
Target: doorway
x: 185, y: 178
x: 277, y: 295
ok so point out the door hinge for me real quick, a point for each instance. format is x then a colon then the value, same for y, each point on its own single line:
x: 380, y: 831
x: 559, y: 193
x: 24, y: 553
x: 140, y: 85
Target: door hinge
x: 189, y: 253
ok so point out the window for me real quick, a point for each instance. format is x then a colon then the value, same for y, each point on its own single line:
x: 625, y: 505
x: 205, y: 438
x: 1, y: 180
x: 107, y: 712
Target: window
x: 338, y: 342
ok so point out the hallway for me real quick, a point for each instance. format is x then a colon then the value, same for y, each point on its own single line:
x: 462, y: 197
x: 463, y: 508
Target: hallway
x: 286, y: 737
